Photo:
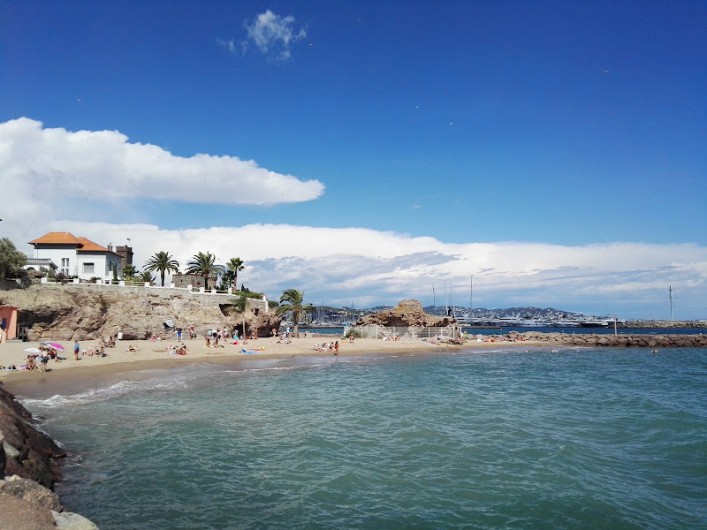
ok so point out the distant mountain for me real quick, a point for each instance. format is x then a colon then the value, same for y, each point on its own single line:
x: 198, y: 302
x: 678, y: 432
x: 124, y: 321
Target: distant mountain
x: 521, y: 313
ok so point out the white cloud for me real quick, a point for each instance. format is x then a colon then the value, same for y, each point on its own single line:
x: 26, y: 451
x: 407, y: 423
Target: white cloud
x: 48, y: 178
x: 38, y: 161
x: 230, y: 45
x: 364, y: 267
x: 273, y: 35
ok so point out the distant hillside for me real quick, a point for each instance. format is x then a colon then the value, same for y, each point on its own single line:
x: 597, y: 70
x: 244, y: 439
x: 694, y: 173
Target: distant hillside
x: 349, y: 314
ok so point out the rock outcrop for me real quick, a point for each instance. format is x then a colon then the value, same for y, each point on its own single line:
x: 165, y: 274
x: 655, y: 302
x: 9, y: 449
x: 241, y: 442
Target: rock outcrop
x: 26, y: 451
x: 29, y: 468
x: 71, y: 312
x: 407, y: 313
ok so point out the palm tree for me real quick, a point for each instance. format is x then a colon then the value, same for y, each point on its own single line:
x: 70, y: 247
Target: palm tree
x: 145, y: 276
x: 163, y: 262
x: 204, y: 264
x: 293, y: 300
x: 232, y: 268
x: 129, y: 271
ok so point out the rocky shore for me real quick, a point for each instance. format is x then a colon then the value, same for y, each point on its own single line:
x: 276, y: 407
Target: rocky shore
x: 29, y: 468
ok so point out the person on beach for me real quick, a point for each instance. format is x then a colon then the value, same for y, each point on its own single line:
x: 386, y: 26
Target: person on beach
x: 77, y: 349
x: 31, y: 363
x: 179, y: 334
x: 336, y: 348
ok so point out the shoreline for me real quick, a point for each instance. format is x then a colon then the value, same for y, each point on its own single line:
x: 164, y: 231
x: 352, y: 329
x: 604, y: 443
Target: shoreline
x: 120, y: 363
x: 148, y: 355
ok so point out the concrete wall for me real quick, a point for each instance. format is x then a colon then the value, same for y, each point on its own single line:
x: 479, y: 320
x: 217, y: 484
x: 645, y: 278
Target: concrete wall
x: 8, y: 317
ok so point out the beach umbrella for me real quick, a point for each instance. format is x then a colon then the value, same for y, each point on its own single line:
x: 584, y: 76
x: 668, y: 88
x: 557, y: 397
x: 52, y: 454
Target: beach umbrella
x: 32, y: 350
x: 54, y: 345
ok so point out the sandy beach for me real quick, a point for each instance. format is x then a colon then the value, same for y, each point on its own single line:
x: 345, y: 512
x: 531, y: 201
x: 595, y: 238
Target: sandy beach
x: 149, y: 355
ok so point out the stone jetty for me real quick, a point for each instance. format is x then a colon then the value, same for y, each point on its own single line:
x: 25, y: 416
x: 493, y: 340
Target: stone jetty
x: 621, y: 340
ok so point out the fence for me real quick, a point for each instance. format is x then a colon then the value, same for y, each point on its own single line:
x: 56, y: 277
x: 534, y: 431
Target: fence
x: 373, y: 331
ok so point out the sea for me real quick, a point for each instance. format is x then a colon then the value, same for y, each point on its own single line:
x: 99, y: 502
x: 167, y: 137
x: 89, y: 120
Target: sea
x: 539, y: 438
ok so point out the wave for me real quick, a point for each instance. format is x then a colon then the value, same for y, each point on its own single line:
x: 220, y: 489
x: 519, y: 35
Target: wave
x: 165, y: 382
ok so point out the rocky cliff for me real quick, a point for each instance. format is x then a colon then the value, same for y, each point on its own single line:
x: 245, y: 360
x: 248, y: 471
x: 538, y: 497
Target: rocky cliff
x: 84, y: 311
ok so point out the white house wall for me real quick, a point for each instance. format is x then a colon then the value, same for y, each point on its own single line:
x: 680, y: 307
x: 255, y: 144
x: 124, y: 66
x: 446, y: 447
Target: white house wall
x: 99, y: 266
x: 58, y: 255
x: 113, y: 261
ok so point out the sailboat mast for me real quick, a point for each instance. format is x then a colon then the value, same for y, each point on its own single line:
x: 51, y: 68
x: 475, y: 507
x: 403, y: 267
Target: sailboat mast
x: 670, y: 292
x: 471, y: 294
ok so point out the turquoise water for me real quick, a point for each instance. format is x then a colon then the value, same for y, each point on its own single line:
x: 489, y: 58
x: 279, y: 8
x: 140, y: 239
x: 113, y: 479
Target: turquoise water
x: 570, y: 438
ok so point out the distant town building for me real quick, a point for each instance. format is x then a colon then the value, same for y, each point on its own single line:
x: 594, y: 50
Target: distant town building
x: 77, y: 256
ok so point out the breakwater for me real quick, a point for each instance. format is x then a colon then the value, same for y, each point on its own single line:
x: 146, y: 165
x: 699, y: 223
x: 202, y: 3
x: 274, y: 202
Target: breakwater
x: 666, y: 340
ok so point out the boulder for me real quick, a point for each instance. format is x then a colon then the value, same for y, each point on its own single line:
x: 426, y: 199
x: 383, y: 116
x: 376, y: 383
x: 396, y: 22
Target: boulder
x: 18, y: 514
x: 407, y: 313
x: 72, y: 521
x: 30, y: 491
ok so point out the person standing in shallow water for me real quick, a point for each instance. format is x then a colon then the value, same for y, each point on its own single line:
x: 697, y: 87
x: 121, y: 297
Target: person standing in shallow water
x: 77, y: 348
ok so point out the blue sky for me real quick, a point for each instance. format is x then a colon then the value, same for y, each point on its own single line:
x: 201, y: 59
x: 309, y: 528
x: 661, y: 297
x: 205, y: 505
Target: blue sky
x: 365, y: 151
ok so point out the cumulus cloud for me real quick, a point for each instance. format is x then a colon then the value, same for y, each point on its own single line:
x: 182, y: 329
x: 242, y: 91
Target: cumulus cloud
x: 40, y: 168
x: 273, y: 35
x: 39, y: 160
x: 364, y: 267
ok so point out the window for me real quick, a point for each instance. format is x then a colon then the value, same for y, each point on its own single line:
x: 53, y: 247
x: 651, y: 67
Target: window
x: 65, y: 266
x: 88, y: 268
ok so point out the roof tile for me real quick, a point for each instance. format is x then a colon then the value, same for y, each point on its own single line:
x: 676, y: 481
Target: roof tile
x: 56, y: 238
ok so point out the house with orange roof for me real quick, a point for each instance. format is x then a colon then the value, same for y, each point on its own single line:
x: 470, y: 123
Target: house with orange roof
x: 77, y: 256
